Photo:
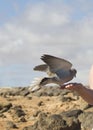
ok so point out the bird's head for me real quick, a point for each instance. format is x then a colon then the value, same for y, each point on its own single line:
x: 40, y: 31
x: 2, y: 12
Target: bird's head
x: 74, y: 72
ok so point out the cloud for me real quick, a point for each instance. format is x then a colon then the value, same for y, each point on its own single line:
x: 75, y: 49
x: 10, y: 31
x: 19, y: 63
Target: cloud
x: 43, y: 24
x: 49, y: 27
x: 47, y: 14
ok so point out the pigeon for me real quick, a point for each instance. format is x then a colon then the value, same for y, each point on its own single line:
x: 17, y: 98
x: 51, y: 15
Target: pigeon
x: 59, y: 70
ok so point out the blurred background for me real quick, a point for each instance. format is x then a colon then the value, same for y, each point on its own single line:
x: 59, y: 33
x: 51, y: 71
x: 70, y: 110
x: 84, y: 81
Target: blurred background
x: 31, y: 28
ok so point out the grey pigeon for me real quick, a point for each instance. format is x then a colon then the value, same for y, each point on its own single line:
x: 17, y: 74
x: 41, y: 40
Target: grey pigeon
x: 59, y: 70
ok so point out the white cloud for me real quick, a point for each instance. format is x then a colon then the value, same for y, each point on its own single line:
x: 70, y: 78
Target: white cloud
x: 47, y: 14
x: 48, y: 28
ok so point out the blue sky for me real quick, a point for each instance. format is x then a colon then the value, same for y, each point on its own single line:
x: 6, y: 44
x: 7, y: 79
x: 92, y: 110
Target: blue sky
x: 30, y: 28
x: 9, y: 9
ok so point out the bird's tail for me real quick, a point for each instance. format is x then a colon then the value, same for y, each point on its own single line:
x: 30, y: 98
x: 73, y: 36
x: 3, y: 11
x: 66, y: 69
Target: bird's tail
x: 35, y: 84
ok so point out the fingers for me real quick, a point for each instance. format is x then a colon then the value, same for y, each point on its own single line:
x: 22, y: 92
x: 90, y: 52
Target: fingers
x: 66, y: 85
x: 63, y: 86
x: 72, y: 86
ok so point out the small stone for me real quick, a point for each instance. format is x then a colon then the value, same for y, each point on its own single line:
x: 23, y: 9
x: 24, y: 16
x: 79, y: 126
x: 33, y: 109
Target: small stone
x: 22, y: 119
x: 36, y: 113
x: 10, y: 125
x: 40, y: 103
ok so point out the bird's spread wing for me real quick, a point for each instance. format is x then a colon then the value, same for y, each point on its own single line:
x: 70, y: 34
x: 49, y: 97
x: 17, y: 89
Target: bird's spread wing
x: 42, y: 67
x: 56, y: 63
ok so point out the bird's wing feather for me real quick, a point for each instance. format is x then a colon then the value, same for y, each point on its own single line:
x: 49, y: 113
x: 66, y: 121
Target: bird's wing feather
x: 56, y: 63
x: 42, y: 67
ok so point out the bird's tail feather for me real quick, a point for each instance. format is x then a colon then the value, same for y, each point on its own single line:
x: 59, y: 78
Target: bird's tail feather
x: 35, y: 84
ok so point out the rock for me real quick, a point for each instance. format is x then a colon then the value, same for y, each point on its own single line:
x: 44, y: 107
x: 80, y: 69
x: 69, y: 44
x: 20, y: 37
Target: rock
x: 29, y: 97
x: 1, y: 106
x: 72, y: 113
x: 18, y: 111
x: 64, y: 92
x: 40, y: 103
x: 59, y: 116
x: 24, y: 92
x: 50, y: 94
x: 22, y: 119
x: 29, y: 128
x: 36, y: 113
x: 6, y: 107
x: 2, y: 115
x: 38, y: 94
x: 73, y: 123
x: 54, y: 122
x: 66, y: 99
x: 85, y: 106
x: 86, y: 120
x: 10, y: 125
x: 15, y: 107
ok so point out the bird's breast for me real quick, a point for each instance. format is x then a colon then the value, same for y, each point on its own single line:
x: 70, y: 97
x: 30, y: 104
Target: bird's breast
x: 62, y: 74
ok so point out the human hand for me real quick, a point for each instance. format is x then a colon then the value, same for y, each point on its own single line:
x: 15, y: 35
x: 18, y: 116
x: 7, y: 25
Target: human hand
x: 72, y: 86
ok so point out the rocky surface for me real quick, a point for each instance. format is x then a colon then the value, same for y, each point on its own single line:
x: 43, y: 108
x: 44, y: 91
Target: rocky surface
x: 46, y: 109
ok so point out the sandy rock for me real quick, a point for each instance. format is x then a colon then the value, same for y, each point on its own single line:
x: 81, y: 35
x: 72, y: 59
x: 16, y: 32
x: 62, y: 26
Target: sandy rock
x: 86, y: 120
x: 49, y: 108
x: 54, y: 122
x: 10, y: 124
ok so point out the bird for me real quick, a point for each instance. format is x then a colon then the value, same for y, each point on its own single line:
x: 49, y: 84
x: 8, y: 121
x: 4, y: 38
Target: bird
x: 59, y: 70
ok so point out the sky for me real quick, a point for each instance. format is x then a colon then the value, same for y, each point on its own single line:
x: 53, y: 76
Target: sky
x: 31, y: 28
